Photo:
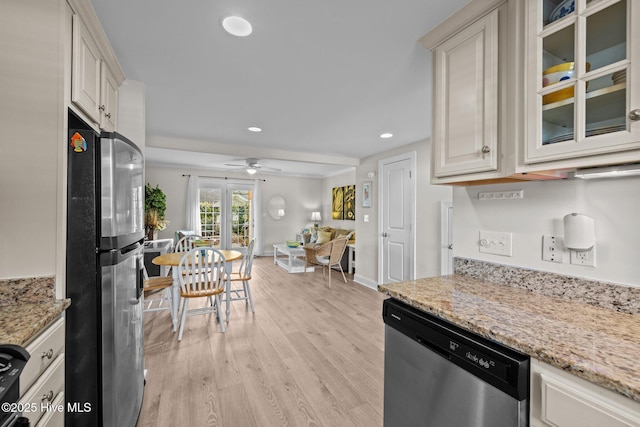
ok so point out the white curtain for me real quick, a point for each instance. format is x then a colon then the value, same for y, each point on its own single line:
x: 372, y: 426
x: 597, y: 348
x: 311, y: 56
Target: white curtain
x: 257, y: 216
x: 193, y: 205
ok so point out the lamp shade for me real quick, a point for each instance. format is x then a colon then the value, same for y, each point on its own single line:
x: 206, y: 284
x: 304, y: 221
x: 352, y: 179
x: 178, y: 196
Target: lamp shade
x: 315, y: 216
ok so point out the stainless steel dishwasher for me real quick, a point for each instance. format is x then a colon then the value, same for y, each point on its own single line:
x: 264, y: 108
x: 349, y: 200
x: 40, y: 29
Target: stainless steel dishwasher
x: 439, y: 375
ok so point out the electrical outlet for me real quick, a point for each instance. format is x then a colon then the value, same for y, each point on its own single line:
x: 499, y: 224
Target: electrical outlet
x: 552, y: 248
x: 494, y: 242
x: 586, y: 258
x: 495, y: 195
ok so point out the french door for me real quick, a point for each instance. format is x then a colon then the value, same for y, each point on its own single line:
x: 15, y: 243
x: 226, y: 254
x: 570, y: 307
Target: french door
x: 227, y: 213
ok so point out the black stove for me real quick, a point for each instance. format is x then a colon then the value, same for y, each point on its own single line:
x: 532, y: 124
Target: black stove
x: 13, y: 359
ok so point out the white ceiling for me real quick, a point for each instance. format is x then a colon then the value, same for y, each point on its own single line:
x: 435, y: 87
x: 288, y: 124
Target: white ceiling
x: 319, y: 77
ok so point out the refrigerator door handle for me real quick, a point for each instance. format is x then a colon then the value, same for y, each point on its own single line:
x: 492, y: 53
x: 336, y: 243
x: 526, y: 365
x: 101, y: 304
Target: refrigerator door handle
x: 139, y: 277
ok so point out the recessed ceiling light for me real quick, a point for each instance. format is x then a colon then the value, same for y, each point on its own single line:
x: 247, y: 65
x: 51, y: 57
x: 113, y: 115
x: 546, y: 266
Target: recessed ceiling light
x: 254, y: 129
x: 237, y: 26
x: 386, y: 135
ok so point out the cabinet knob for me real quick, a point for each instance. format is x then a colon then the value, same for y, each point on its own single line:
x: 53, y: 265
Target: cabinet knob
x: 634, y: 115
x: 485, y: 150
x: 47, y: 354
x: 48, y: 397
x: 108, y: 115
x: 101, y: 108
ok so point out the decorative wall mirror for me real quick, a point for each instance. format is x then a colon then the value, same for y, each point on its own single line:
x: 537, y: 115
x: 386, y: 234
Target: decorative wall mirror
x: 277, y: 207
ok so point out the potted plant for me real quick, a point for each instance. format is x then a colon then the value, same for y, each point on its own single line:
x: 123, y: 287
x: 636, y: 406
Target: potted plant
x: 155, y: 204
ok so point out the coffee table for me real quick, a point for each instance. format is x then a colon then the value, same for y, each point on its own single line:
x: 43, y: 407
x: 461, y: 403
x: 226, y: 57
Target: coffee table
x: 291, y: 263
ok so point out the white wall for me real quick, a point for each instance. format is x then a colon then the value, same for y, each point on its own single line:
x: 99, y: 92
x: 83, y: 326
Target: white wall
x: 427, y: 213
x: 302, y: 195
x: 32, y: 118
x: 132, y: 112
x: 614, y: 205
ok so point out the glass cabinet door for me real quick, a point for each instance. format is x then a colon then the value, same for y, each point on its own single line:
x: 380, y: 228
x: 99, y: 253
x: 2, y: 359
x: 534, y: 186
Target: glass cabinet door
x: 579, y: 85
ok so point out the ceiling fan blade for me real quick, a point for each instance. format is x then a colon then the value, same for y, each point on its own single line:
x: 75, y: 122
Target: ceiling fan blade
x: 235, y: 166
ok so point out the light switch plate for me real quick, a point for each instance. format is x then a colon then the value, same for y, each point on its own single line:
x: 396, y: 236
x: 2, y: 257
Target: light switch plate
x: 495, y: 242
x: 552, y: 248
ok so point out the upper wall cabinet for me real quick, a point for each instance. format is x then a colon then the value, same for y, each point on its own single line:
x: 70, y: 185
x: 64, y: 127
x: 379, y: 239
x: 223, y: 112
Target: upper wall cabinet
x: 85, y: 90
x: 465, y: 126
x: 109, y: 100
x: 94, y: 86
x: 472, y: 89
x: 582, y: 82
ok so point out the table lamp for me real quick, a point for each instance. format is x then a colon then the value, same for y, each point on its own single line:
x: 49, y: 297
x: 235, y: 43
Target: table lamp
x: 315, y: 217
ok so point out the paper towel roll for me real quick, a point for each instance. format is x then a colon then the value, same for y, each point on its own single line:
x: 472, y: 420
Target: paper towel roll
x: 579, y: 231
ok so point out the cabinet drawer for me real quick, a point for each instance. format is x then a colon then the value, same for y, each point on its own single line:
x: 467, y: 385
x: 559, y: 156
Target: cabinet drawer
x: 571, y: 405
x: 46, y: 388
x: 54, y: 418
x: 43, y: 350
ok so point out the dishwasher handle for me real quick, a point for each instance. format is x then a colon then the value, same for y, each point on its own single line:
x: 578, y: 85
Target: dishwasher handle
x: 433, y: 347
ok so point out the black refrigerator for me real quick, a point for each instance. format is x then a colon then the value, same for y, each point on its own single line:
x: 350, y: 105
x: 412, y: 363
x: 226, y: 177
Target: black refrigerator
x: 104, y: 366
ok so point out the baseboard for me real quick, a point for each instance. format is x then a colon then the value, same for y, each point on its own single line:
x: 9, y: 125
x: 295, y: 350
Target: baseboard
x: 361, y: 280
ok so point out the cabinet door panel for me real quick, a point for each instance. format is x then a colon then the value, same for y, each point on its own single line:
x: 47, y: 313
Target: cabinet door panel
x: 85, y: 87
x: 109, y: 99
x: 593, y: 52
x: 466, y: 106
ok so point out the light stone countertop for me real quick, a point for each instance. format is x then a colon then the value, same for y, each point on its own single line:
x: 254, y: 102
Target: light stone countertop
x: 596, y: 343
x: 21, y: 322
x: 27, y: 305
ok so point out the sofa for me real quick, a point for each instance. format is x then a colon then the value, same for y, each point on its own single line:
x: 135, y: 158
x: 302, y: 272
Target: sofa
x: 325, y: 234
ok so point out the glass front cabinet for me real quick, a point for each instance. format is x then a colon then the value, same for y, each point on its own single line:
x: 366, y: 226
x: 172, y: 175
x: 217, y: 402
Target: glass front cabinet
x: 582, y: 81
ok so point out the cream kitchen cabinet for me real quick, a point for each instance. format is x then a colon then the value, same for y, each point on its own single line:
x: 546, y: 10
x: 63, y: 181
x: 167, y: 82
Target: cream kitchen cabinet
x: 560, y: 399
x: 592, y: 116
x: 94, y: 87
x: 42, y: 380
x: 472, y: 121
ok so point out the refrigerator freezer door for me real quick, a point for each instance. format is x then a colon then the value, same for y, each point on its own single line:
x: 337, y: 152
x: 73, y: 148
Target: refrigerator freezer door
x: 122, y: 337
x: 122, y: 192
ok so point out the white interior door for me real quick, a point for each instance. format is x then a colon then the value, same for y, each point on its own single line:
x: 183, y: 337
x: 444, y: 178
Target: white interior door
x: 397, y: 217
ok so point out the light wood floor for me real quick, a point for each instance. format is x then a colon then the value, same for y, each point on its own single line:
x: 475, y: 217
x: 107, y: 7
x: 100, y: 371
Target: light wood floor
x: 309, y: 356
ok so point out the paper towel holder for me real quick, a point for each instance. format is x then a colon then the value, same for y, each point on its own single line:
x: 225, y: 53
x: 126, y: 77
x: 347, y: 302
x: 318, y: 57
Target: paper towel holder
x: 579, y: 232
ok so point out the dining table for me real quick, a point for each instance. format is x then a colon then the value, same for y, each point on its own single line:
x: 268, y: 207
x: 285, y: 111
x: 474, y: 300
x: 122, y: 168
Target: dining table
x: 173, y: 259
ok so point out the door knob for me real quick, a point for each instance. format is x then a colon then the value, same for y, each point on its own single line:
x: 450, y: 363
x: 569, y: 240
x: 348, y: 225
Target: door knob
x: 634, y: 115
x: 385, y: 234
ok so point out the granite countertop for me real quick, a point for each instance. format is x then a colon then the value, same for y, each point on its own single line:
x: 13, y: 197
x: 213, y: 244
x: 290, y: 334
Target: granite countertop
x: 27, y: 305
x: 21, y: 322
x: 596, y: 343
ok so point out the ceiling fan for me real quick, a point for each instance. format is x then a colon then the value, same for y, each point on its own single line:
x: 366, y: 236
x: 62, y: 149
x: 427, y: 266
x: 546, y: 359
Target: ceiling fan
x: 252, y: 165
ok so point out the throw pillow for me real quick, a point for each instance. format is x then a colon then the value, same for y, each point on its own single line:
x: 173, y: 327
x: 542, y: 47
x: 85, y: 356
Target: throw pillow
x: 323, y: 237
x: 340, y: 232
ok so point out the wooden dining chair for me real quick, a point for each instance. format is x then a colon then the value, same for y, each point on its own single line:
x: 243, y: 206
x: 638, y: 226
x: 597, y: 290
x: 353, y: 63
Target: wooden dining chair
x: 327, y: 255
x: 243, y: 275
x: 202, y: 275
x: 186, y: 243
x: 151, y: 286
